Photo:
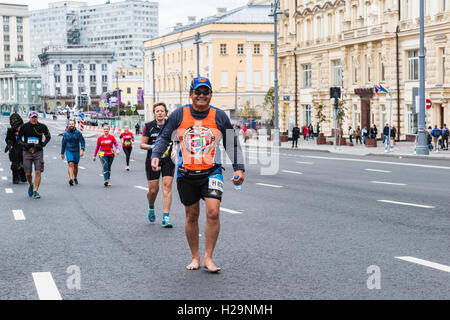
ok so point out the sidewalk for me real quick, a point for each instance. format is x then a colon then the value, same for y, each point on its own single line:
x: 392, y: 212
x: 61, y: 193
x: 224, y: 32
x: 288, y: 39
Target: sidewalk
x: 401, y: 149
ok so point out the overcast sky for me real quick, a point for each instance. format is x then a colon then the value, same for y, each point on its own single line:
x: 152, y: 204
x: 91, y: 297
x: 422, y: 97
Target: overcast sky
x: 170, y: 11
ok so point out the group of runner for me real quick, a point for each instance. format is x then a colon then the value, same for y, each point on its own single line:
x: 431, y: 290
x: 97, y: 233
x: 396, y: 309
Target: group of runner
x: 195, y: 129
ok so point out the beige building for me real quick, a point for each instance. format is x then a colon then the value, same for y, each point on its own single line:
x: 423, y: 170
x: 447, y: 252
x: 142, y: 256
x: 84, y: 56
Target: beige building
x: 14, y: 34
x: 236, y: 53
x: 355, y: 44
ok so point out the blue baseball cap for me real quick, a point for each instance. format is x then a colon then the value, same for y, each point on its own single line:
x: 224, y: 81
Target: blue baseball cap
x: 33, y: 114
x: 199, y: 82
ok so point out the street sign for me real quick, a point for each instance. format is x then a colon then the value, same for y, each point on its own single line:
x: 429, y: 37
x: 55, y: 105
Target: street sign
x: 82, y: 115
x: 428, y: 104
x: 133, y: 108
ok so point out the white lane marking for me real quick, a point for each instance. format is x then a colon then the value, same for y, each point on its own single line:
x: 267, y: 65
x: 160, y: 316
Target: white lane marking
x: 390, y: 183
x: 407, y: 204
x: 382, y: 162
x: 142, y: 188
x: 100, y: 175
x: 302, y: 162
x: 376, y: 170
x: 54, y: 158
x: 82, y: 168
x: 294, y: 172
x: 4, y: 178
x: 426, y: 263
x: 1, y: 169
x: 45, y: 286
x: 230, y: 211
x: 18, y: 215
x: 132, y: 160
x: 269, y: 185
x: 9, y: 190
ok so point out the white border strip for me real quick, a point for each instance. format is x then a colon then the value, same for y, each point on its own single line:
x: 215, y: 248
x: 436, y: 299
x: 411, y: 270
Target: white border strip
x: 230, y: 211
x: 294, y: 172
x: 390, y: 183
x: 18, y: 215
x: 269, y: 185
x: 45, y: 286
x: 406, y: 204
x: 426, y: 263
x: 376, y: 170
x: 142, y: 188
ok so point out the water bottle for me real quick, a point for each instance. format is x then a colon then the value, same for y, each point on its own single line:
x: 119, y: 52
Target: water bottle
x: 236, y: 186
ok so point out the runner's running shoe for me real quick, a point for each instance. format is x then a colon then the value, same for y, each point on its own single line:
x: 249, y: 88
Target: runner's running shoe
x: 30, y: 191
x: 166, y: 222
x: 151, y: 215
x: 71, y: 182
x: 36, y: 195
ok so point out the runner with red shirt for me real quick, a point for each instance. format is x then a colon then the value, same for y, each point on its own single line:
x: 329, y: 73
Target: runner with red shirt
x: 127, y: 138
x: 105, y: 150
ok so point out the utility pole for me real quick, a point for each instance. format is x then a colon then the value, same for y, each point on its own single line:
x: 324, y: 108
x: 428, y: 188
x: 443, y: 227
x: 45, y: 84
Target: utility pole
x: 118, y: 92
x: 275, y: 11
x: 235, y: 98
x: 422, y: 147
x: 197, y: 43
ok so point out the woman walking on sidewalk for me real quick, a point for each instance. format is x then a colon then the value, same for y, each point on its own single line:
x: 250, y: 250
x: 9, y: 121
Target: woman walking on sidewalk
x: 105, y: 150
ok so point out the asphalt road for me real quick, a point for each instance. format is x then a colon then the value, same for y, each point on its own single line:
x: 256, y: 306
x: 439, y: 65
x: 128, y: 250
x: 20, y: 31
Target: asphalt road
x: 314, y: 230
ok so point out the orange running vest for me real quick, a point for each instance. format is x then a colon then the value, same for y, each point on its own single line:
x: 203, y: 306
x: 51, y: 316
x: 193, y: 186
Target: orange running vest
x: 198, y: 140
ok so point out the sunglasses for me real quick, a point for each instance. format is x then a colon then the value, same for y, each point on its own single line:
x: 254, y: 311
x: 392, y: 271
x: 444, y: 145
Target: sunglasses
x: 205, y: 92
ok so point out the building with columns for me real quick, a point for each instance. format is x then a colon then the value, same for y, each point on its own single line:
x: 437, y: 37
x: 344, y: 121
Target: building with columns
x: 20, y: 88
x: 235, y: 52
x: 71, y: 71
x: 355, y: 44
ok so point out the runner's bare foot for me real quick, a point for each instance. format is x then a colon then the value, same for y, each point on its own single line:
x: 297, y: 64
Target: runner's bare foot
x: 209, y: 264
x: 195, y: 264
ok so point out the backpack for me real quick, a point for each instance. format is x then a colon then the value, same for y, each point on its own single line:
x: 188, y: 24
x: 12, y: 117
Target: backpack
x: 436, y: 133
x: 445, y: 133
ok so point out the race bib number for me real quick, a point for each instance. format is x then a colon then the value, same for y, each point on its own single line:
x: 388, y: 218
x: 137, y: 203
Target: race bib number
x: 127, y: 143
x: 101, y: 153
x: 216, y: 182
x: 33, y: 140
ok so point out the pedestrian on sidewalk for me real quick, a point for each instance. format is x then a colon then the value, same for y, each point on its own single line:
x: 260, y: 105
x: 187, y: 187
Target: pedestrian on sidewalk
x: 358, y: 135
x: 445, y: 133
x: 436, y: 133
x: 350, y: 133
x: 365, y: 134
x: 373, y: 132
x: 306, y: 133
x: 295, y: 136
x: 311, y: 132
x: 393, y: 135
x: 137, y: 127
x: 386, y: 133
x: 71, y: 150
x: 429, y: 138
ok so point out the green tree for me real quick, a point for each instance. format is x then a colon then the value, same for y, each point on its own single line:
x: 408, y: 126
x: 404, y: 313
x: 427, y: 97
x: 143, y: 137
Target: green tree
x: 269, y: 103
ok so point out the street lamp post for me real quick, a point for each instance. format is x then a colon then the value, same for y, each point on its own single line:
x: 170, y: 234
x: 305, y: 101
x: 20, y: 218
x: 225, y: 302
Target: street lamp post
x: 197, y: 43
x: 152, y: 59
x: 275, y: 11
x: 422, y: 147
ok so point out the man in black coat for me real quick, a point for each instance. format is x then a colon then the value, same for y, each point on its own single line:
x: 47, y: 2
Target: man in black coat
x: 15, y: 149
x: 295, y: 136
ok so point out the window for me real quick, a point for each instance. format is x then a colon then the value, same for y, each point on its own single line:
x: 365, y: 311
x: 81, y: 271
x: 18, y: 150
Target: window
x: 384, y: 118
x: 19, y: 38
x: 93, y: 90
x: 383, y: 70
x: 57, y: 79
x: 19, y: 19
x: 307, y: 71
x: 257, y: 76
x: 69, y: 79
x: 224, y: 79
x: 337, y: 73
x: 306, y: 115
x: 56, y: 67
x: 240, y: 49
x: 6, y: 28
x: 104, y: 67
x: 6, y: 38
x: 240, y: 79
x: 104, y: 78
x: 413, y: 65
x: 6, y: 46
x: 443, y: 65
x: 92, y: 67
x: 5, y: 19
x: 68, y: 67
x: 19, y: 29
x: 223, y: 49
x: 443, y: 7
x: 69, y: 91
x: 104, y: 89
x: 272, y: 49
x: 81, y: 79
x: 92, y: 79
x: 128, y: 90
x: 20, y: 48
x: 256, y: 48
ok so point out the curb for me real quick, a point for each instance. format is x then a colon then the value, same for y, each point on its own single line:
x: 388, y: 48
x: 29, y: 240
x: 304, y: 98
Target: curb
x: 409, y: 156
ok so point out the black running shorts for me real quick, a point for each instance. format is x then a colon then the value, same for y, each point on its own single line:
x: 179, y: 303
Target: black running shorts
x: 167, y: 170
x: 192, y: 189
